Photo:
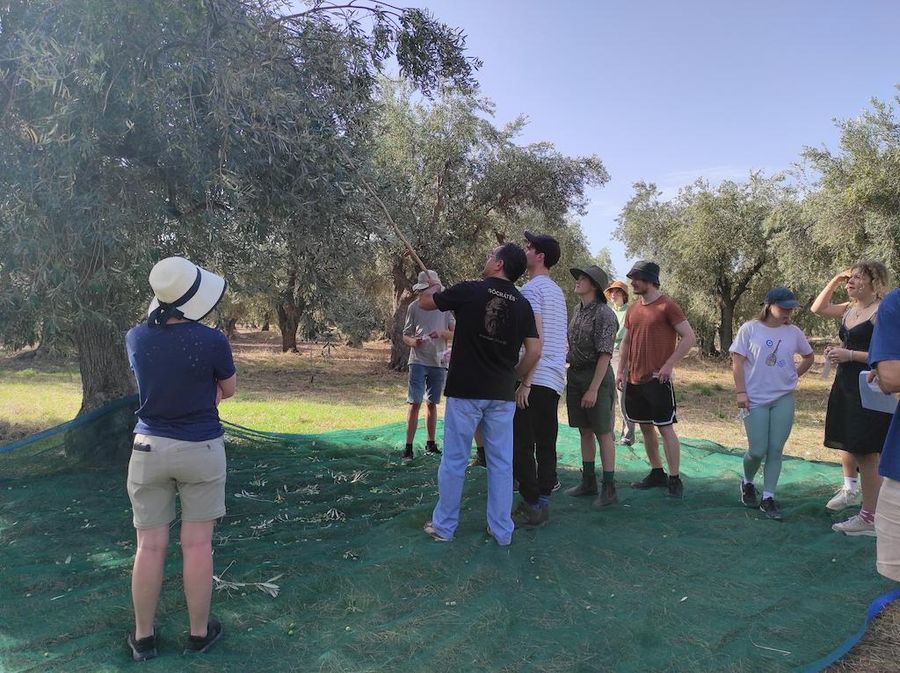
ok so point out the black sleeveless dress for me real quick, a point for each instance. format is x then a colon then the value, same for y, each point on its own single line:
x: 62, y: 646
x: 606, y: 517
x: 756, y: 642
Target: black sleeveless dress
x: 848, y: 426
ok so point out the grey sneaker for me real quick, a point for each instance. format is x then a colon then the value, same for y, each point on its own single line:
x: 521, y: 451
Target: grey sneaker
x: 432, y: 531
x: 843, y: 499
x: 770, y: 508
x: 749, y: 496
x: 854, y: 526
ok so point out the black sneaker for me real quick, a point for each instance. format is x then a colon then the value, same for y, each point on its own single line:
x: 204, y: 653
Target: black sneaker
x: 556, y: 486
x: 431, y: 447
x: 653, y: 480
x: 749, y: 496
x: 676, y: 487
x: 526, y: 516
x: 407, y: 456
x: 770, y: 508
x: 198, y: 644
x: 478, y: 459
x: 143, y: 649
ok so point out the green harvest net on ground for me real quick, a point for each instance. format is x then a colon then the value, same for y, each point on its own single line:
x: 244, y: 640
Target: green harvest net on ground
x: 332, y: 525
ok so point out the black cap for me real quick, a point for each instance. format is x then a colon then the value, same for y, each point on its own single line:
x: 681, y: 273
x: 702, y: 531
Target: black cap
x: 595, y: 273
x: 782, y: 297
x: 648, y: 271
x: 545, y: 244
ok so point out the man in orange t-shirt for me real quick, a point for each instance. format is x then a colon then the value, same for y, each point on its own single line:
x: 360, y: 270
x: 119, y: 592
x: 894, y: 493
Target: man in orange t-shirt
x: 649, y: 352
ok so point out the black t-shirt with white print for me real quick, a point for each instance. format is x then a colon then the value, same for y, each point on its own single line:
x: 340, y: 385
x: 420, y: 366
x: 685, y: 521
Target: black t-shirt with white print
x: 492, y: 321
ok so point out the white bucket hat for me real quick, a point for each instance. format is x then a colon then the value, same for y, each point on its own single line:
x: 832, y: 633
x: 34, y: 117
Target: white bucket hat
x: 182, y: 289
x: 426, y: 279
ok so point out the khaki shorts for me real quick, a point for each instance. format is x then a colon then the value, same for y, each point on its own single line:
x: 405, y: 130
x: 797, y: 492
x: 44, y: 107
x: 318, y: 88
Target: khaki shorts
x: 161, y: 467
x: 887, y: 529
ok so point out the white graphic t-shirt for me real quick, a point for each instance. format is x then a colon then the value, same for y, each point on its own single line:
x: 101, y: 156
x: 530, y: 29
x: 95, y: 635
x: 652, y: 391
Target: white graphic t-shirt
x: 769, y: 372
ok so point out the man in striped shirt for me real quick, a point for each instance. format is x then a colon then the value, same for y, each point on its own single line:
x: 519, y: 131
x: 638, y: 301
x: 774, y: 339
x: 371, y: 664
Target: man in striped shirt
x: 535, y: 425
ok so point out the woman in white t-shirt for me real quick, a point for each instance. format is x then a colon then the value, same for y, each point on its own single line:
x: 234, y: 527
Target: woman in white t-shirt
x: 765, y: 376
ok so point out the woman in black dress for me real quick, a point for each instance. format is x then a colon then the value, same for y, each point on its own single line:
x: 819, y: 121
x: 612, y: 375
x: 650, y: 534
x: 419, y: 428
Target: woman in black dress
x: 857, y: 432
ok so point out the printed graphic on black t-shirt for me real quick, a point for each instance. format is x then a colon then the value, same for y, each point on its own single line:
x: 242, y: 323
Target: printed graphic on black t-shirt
x: 492, y: 321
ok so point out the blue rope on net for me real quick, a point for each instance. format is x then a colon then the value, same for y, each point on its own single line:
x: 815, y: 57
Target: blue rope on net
x: 68, y: 425
x: 875, y: 607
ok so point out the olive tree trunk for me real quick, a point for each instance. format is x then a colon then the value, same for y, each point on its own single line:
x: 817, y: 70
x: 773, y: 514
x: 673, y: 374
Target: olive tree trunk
x: 105, y: 378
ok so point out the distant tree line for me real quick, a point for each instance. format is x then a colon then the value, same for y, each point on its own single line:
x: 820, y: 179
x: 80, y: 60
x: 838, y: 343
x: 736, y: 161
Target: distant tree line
x: 721, y: 247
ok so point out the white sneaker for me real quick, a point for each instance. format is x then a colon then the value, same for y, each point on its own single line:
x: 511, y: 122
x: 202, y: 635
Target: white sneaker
x: 843, y: 499
x: 855, y: 525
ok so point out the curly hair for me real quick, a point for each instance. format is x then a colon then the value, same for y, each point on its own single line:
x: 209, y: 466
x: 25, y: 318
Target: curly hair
x: 877, y: 273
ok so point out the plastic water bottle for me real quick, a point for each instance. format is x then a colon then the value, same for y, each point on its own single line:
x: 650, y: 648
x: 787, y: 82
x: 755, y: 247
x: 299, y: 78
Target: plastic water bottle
x: 826, y: 368
x: 742, y: 414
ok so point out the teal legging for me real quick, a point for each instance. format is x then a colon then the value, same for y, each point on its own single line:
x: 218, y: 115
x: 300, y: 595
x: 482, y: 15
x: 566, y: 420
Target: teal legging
x: 768, y: 427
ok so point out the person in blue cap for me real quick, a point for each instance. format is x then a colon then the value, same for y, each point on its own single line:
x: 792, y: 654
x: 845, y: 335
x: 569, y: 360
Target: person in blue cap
x: 766, y: 373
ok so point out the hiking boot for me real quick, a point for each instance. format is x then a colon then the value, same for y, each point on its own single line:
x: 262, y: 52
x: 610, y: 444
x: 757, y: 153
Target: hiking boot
x: 432, y: 531
x: 608, y: 495
x: 843, y: 499
x: 588, y: 486
x: 652, y: 480
x: 749, y: 496
x: 527, y: 516
x: 855, y: 526
x: 770, y: 508
x: 431, y: 448
x: 676, y: 487
x: 478, y: 459
x: 201, y: 644
x: 143, y: 649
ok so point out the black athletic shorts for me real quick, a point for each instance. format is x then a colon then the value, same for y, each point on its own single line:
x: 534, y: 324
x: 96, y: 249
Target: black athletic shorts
x: 650, y: 402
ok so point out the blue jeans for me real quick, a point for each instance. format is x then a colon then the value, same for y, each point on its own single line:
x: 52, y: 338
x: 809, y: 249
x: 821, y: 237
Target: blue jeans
x: 768, y: 428
x: 427, y: 382
x: 461, y: 417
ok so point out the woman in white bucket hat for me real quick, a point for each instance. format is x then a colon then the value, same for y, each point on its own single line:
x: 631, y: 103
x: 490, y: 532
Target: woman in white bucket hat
x: 183, y: 370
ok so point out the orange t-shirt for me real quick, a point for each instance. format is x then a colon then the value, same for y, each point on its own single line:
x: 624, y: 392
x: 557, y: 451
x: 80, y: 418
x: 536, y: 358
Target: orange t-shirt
x: 651, y: 336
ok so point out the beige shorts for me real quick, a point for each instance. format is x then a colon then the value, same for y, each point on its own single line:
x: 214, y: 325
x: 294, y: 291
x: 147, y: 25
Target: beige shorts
x: 161, y: 467
x: 887, y: 529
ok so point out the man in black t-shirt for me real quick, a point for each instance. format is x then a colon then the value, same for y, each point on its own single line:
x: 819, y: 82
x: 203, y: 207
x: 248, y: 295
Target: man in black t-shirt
x: 493, y: 321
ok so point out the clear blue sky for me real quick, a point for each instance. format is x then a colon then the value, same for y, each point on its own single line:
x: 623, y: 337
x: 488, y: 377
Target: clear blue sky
x: 670, y: 90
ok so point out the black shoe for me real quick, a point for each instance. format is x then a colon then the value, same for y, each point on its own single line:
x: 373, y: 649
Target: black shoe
x: 770, y: 508
x: 556, y: 487
x: 653, y: 480
x: 608, y: 495
x: 749, y: 496
x: 676, y: 487
x: 407, y: 456
x: 431, y: 447
x: 198, y: 644
x: 478, y: 459
x: 588, y: 486
x: 526, y: 516
x: 143, y: 649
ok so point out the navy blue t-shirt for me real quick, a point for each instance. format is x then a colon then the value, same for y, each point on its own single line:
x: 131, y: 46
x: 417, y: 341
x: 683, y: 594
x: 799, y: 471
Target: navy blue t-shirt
x: 177, y: 367
x: 492, y: 321
x: 886, y: 346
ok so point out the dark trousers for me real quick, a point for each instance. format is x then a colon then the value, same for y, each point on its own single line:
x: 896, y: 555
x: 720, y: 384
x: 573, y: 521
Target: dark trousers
x: 534, y: 444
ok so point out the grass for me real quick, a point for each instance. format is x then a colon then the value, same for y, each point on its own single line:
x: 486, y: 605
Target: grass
x: 314, y: 391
